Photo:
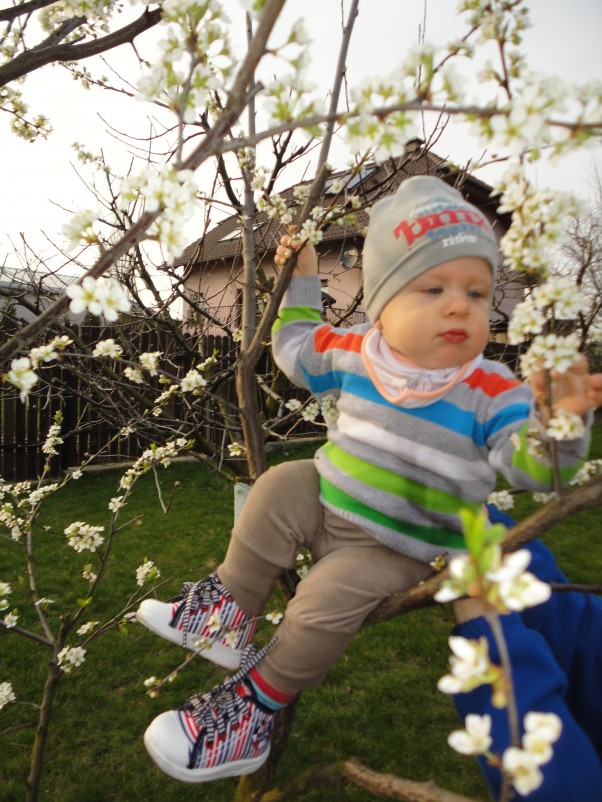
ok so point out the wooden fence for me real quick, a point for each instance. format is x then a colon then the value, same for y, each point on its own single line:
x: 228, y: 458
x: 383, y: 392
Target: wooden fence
x: 24, y: 426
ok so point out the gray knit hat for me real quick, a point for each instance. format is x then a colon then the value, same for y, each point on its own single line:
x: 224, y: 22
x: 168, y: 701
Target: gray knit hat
x: 426, y: 222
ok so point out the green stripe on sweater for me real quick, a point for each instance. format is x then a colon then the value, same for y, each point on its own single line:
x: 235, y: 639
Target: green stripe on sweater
x: 446, y: 538
x: 544, y: 474
x: 379, y: 478
x: 292, y: 313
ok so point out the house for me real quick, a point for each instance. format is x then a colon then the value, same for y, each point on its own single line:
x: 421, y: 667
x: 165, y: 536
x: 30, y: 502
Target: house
x: 214, y: 269
x: 24, y: 293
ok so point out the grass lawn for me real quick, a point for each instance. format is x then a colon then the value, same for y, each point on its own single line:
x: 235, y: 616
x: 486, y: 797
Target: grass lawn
x: 379, y: 704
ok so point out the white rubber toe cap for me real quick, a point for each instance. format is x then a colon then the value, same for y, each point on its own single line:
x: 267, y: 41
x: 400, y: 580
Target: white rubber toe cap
x: 156, y: 615
x: 167, y: 744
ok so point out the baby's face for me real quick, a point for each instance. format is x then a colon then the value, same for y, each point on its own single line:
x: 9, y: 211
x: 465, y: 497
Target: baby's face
x: 441, y: 318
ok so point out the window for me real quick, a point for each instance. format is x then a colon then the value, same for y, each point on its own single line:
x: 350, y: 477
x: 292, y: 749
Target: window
x: 348, y: 180
x: 237, y: 233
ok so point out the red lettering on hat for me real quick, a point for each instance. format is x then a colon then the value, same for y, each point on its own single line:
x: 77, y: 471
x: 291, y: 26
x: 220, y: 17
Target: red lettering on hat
x: 417, y: 228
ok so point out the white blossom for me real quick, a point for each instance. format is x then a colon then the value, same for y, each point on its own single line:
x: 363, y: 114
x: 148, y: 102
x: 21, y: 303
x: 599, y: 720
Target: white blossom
x: 147, y: 572
x: 543, y: 498
x: 565, y: 425
x: 538, y: 218
x: 38, y: 495
x: 562, y: 295
x: 192, y: 381
x: 173, y: 193
x: 329, y: 409
x: 116, y: 503
x: 22, y: 376
x: 524, y: 591
x: 516, y: 441
x: 85, y: 628
x: 10, y: 620
x: 83, y: 536
x: 43, y: 353
x: 541, y: 731
x: 99, y: 297
x: 274, y: 618
x: 134, y: 375
x: 191, y: 60
x: 80, y: 229
x: 7, y: 695
x: 311, y: 411
x: 53, y: 439
x: 44, y: 602
x: 522, y: 769
x: 589, y: 468
x: 310, y: 232
x: 214, y: 624
x: 516, y: 587
x: 207, y: 363
x: 526, y: 319
x: 469, y: 657
x: 502, y: 499
x: 301, y: 191
x: 509, y: 567
x: 150, y: 361
x: 460, y: 577
x: 550, y: 352
x: 231, y: 638
x: 236, y: 449
x: 475, y: 739
x: 299, y: 33
x: 71, y: 657
x: 155, y: 455
x: 469, y: 665
x: 107, y: 348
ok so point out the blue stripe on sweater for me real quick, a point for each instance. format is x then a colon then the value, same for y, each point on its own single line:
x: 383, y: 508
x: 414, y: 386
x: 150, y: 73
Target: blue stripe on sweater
x: 442, y: 412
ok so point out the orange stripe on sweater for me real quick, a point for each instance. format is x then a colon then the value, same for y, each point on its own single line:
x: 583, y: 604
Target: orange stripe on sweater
x: 491, y: 384
x: 326, y: 338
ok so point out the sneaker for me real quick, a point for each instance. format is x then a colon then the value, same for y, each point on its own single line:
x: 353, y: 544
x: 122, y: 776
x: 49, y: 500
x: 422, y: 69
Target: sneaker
x: 204, y: 618
x: 222, y: 733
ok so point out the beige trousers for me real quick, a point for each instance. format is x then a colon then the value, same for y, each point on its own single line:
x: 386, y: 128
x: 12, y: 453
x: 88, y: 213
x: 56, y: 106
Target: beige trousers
x: 352, y: 573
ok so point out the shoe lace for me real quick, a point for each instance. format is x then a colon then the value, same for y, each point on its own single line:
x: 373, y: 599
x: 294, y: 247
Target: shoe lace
x: 202, y: 594
x: 221, y: 706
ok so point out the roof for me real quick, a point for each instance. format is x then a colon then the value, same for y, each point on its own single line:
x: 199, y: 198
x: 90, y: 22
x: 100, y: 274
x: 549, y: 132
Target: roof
x: 18, y: 279
x: 372, y: 182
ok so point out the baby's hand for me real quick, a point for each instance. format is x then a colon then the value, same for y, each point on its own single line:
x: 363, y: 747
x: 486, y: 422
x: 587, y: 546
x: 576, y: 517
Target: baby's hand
x: 307, y: 259
x: 575, y: 390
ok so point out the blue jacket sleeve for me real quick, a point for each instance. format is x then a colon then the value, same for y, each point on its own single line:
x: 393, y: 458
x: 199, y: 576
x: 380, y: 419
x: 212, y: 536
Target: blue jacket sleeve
x: 556, y: 655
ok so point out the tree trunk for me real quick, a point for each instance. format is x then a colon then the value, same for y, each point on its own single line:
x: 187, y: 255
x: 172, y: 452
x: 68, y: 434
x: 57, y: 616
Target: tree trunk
x: 37, y: 755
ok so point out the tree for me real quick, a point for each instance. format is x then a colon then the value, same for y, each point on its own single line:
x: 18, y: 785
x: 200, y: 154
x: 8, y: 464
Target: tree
x: 581, y: 255
x: 212, y: 99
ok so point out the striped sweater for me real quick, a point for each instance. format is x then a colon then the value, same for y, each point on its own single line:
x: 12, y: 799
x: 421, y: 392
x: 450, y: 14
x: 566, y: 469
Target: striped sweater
x: 401, y: 473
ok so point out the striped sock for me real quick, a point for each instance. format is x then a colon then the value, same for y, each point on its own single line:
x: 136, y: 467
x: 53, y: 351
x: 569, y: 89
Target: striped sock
x: 266, y: 694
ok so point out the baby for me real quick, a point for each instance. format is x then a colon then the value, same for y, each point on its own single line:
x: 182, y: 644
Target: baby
x: 424, y: 426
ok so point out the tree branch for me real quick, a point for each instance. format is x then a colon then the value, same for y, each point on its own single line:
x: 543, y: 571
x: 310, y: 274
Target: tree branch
x: 396, y: 787
x: 579, y: 499
x: 381, y: 785
x: 23, y: 9
x: 49, y: 51
x: 236, y: 102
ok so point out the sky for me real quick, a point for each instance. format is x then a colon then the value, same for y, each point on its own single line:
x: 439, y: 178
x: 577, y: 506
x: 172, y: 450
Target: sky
x: 41, y: 183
